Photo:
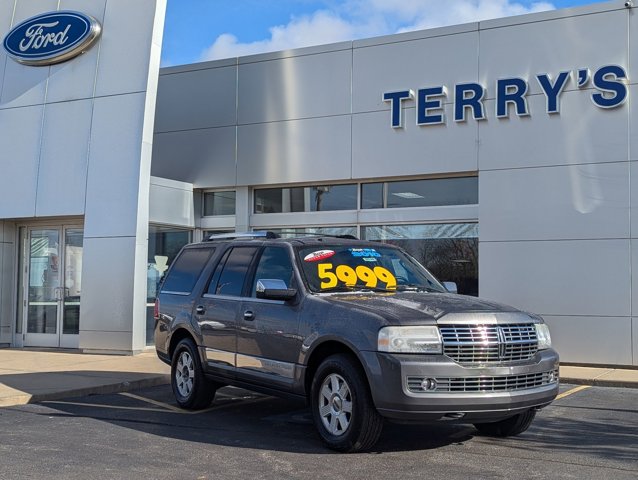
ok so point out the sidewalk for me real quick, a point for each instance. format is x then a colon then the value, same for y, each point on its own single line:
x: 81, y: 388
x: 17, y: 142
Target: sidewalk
x: 28, y: 376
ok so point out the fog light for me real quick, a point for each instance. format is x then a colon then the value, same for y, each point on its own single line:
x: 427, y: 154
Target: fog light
x: 428, y: 384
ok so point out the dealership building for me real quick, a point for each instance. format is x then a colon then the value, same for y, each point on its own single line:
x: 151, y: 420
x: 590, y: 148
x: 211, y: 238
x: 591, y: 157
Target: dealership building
x: 500, y: 154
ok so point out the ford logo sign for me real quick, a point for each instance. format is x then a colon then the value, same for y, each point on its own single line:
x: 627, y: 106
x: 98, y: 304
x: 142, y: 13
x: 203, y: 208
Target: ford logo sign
x: 52, y: 37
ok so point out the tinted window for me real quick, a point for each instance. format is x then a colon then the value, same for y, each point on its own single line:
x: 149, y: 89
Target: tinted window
x: 186, y: 270
x: 420, y: 193
x: 219, y: 203
x: 233, y: 275
x: 306, y: 199
x: 275, y: 263
x: 430, y: 193
x: 372, y: 195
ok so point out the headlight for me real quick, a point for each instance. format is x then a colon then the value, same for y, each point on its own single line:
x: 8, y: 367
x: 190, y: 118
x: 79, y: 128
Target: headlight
x: 410, y: 340
x: 544, y: 338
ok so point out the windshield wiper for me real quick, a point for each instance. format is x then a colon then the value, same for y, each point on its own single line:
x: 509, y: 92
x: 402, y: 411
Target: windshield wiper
x: 337, y: 288
x: 412, y: 287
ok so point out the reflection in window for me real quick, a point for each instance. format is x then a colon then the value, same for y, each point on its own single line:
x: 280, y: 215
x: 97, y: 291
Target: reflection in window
x: 231, y: 280
x: 296, y: 232
x: 420, y: 193
x: 164, y: 243
x: 306, y: 199
x: 219, y: 203
x: 449, y: 251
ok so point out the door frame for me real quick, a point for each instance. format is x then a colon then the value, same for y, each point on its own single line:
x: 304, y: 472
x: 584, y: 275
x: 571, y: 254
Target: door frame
x: 23, y: 255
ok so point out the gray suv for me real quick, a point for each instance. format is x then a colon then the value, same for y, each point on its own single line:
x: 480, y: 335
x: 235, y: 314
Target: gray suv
x: 360, y: 330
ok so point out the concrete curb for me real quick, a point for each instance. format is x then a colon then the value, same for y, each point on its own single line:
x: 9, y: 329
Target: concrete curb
x: 118, y: 387
x: 600, y: 382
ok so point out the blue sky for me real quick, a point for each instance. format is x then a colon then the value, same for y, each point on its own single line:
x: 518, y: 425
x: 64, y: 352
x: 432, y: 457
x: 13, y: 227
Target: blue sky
x: 199, y: 30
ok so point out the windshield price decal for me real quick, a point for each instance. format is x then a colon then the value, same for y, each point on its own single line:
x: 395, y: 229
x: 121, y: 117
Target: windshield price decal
x: 318, y: 255
x: 350, y: 276
x: 364, y: 252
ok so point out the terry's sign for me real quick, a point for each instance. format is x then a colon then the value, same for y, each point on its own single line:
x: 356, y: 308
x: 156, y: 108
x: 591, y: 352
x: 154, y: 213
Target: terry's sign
x: 51, y: 38
x: 608, y: 85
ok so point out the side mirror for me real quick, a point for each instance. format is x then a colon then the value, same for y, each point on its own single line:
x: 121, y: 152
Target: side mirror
x: 451, y: 287
x: 274, y: 289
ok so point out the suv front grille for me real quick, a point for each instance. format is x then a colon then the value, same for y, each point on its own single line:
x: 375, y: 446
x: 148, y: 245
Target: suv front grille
x: 507, y: 383
x: 489, y: 344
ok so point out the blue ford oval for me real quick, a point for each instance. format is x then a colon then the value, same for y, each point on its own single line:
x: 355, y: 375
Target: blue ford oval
x: 52, y: 37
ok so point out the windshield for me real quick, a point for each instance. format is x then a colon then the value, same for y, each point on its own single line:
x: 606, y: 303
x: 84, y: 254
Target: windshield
x: 380, y: 268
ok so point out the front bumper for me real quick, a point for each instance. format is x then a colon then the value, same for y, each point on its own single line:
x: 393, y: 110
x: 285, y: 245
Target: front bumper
x: 479, y: 394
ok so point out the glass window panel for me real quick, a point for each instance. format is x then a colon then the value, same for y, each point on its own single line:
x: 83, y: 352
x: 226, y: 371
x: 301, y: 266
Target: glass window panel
x: 431, y: 193
x: 231, y: 280
x: 372, y: 195
x: 306, y: 199
x: 449, y: 251
x: 73, y: 249
x: 335, y: 197
x: 164, y: 243
x: 44, y: 281
x: 163, y: 246
x: 269, y: 200
x: 219, y: 203
x: 185, y: 272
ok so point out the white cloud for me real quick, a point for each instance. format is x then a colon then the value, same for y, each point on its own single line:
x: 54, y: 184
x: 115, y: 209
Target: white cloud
x: 352, y: 19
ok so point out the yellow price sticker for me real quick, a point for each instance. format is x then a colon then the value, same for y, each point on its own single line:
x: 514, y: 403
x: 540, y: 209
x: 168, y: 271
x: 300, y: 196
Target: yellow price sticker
x: 351, y: 276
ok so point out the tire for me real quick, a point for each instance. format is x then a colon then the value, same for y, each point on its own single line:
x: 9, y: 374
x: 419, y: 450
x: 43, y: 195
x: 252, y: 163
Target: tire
x: 342, y: 407
x: 509, y: 427
x: 192, y: 390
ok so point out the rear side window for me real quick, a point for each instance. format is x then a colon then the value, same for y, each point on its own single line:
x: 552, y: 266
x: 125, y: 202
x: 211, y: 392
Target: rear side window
x: 186, y: 270
x: 231, y: 281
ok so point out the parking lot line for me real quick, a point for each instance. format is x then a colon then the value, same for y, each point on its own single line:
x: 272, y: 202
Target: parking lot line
x: 98, y: 405
x: 572, y: 391
x: 167, y: 406
x: 175, y: 409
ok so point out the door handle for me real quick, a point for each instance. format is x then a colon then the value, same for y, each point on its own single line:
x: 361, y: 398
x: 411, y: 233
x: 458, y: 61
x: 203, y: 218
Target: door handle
x: 249, y: 315
x: 200, y: 310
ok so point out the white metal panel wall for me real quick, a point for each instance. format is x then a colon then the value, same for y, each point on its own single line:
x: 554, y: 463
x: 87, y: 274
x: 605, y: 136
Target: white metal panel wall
x: 171, y: 203
x: 204, y: 157
x: 443, y: 57
x: 555, y: 190
x: 75, y: 140
x: 7, y: 265
x: 197, y: 99
x: 295, y: 87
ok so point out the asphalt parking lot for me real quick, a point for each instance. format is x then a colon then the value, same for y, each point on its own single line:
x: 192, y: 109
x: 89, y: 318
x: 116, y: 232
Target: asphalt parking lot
x: 590, y: 432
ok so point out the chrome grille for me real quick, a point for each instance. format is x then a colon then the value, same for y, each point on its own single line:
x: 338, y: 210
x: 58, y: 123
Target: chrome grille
x: 506, y: 383
x: 489, y: 344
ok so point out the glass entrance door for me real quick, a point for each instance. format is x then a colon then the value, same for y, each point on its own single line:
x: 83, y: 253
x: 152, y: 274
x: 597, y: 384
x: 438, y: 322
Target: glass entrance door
x: 52, y: 287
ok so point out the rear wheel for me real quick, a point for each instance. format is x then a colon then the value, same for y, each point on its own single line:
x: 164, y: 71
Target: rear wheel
x: 192, y: 390
x: 342, y: 407
x: 509, y: 427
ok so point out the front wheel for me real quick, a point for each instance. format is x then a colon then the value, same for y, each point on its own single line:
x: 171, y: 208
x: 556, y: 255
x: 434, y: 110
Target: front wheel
x: 192, y: 390
x: 342, y: 407
x: 509, y: 427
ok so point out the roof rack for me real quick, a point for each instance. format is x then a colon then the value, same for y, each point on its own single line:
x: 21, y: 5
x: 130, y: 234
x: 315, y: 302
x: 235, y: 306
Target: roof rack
x: 245, y: 235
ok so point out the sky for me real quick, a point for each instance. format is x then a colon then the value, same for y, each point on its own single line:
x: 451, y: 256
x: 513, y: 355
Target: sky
x: 201, y: 30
